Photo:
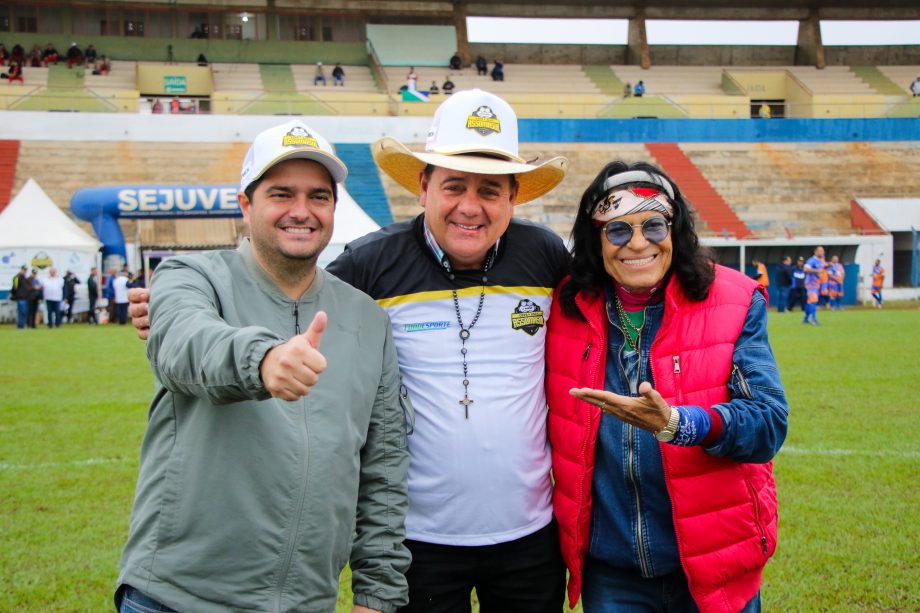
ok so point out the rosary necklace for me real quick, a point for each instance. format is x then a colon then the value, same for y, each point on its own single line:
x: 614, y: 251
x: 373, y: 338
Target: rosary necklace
x: 465, y: 335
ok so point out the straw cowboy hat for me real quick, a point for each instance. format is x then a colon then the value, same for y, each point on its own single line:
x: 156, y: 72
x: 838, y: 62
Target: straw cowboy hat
x: 473, y: 131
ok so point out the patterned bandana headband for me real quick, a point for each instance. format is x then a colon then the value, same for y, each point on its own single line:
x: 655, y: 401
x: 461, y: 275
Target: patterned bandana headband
x: 620, y: 202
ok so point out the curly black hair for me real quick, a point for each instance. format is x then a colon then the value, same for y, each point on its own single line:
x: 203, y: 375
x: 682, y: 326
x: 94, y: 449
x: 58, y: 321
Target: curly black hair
x: 692, y: 264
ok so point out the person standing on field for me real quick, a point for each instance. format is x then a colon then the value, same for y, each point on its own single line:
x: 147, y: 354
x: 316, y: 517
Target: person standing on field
x: 275, y: 450
x: 92, y: 292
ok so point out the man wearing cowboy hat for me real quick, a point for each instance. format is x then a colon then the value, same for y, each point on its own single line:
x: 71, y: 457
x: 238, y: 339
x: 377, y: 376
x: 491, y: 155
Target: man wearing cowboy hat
x: 468, y: 289
x: 267, y: 464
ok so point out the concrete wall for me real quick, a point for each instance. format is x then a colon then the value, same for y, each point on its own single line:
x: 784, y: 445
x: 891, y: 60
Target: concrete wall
x: 516, y: 53
x: 187, y: 50
x: 722, y: 55
x: 694, y: 55
x: 894, y: 55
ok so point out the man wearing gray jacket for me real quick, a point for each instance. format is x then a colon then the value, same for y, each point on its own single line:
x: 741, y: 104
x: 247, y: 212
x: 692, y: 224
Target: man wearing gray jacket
x: 268, y: 464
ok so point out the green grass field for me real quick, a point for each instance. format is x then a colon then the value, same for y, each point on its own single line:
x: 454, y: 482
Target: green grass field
x: 73, y: 409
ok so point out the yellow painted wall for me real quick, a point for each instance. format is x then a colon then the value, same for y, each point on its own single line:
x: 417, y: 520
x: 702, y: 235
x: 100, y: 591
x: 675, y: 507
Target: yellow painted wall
x: 762, y: 85
x: 799, y: 101
x: 714, y: 107
x: 840, y: 105
x: 151, y: 79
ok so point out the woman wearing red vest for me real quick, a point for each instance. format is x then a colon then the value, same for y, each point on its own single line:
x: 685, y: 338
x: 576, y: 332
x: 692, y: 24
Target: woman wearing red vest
x: 665, y: 409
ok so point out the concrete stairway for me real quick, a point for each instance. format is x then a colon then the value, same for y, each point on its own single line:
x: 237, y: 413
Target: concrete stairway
x: 363, y: 181
x: 9, y: 156
x: 805, y: 188
x: 708, y: 204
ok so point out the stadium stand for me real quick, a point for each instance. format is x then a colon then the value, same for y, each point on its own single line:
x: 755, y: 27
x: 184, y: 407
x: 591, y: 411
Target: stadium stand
x: 9, y: 157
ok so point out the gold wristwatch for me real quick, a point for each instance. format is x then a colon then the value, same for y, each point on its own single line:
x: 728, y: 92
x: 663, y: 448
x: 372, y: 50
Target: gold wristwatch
x: 666, y: 434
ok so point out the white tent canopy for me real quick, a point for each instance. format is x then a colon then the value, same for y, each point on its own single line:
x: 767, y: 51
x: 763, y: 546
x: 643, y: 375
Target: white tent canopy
x: 351, y: 222
x: 36, y: 233
x: 32, y: 219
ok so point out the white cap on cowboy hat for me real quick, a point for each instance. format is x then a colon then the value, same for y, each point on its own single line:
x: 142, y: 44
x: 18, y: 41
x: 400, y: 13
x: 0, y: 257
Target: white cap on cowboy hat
x: 472, y: 131
x: 291, y: 140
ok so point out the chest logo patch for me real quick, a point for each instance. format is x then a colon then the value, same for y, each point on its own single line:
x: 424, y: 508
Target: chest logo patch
x: 527, y: 316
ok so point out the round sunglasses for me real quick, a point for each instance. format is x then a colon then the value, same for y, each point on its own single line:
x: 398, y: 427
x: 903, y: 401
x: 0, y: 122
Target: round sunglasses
x: 654, y: 229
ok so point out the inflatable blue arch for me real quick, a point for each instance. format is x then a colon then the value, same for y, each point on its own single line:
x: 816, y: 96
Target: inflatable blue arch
x: 104, y: 206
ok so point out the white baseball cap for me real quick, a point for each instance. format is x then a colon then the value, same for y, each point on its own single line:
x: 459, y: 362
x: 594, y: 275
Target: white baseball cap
x: 289, y: 141
x: 472, y: 131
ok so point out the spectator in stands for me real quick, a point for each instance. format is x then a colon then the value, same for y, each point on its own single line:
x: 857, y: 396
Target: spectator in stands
x: 90, y: 56
x: 627, y: 90
x: 498, y: 71
x: 174, y: 105
x: 35, y: 58
x: 433, y: 89
x: 915, y: 87
x: 198, y: 32
x: 4, y: 55
x: 103, y: 66
x: 74, y: 55
x: 764, y: 111
x: 455, y: 62
x: 15, y: 73
x: 482, y: 68
x: 319, y: 76
x: 639, y: 89
x: 157, y: 107
x: 411, y: 79
x: 783, y: 284
x: 50, y: 55
x: 448, y: 86
x: 202, y: 60
x: 338, y: 75
x: 18, y: 54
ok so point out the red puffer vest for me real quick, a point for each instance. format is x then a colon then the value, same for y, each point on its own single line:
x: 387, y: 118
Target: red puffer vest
x: 724, y: 511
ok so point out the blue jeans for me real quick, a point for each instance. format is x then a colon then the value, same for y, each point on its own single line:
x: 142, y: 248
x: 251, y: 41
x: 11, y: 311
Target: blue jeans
x: 54, y: 313
x: 608, y: 589
x: 782, y: 297
x: 134, y: 601
x: 22, y: 313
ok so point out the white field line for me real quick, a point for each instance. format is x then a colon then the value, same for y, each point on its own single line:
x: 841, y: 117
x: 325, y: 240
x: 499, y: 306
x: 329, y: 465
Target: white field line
x: 873, y: 453
x: 73, y: 463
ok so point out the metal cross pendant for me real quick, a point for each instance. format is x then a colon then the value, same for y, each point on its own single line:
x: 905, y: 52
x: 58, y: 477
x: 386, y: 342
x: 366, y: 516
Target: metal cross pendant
x: 466, y: 402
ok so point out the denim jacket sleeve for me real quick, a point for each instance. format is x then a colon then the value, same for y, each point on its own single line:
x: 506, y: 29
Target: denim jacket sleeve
x: 756, y: 418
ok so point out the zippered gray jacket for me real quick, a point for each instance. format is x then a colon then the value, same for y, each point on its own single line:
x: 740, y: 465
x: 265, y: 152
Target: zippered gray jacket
x: 250, y: 503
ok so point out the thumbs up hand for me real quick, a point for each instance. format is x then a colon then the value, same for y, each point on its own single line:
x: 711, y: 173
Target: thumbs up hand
x: 290, y: 370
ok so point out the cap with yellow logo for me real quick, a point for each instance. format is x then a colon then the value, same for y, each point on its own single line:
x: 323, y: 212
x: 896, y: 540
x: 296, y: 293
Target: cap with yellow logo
x: 291, y: 140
